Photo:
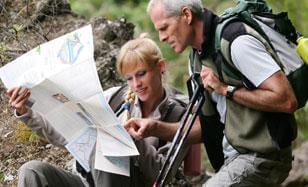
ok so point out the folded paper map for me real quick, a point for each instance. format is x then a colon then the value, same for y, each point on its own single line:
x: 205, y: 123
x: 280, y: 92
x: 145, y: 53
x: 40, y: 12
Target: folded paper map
x: 65, y: 88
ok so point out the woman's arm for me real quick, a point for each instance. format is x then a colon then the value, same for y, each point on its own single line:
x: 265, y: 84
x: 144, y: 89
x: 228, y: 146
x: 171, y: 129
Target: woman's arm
x: 141, y: 128
x: 18, y: 97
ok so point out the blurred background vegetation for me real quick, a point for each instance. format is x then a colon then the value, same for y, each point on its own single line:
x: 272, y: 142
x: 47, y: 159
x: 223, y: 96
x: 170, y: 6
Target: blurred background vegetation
x: 135, y: 11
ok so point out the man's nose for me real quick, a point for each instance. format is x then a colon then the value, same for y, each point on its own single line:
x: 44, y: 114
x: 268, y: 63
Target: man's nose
x: 163, y: 37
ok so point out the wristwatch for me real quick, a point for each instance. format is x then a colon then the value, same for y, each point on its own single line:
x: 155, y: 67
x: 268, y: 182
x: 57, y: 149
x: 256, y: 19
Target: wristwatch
x: 230, y: 91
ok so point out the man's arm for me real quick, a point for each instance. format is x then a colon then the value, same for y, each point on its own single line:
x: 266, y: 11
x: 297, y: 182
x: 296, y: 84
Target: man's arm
x: 273, y: 92
x: 141, y: 128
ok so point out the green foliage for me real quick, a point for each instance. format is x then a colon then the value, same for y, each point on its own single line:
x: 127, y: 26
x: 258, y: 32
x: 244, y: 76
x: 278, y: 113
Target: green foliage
x: 17, y: 27
x: 178, y: 73
x: 1, y: 177
x: 133, y: 10
x: 218, y: 6
x: 297, y: 11
x: 302, y: 122
x: 2, y: 47
x: 137, y: 14
x: 85, y: 7
x: 24, y: 134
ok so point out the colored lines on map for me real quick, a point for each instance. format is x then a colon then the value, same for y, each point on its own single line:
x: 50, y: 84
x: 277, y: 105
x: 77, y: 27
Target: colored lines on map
x: 70, y: 50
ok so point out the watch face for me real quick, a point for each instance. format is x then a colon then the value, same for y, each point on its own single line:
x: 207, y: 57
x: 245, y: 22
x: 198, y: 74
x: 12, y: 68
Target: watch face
x: 230, y: 90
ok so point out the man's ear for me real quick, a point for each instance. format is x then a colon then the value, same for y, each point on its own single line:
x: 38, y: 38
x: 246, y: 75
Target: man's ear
x: 187, y: 15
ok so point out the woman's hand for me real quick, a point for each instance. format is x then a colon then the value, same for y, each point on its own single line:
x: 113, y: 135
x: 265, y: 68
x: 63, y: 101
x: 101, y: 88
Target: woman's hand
x: 140, y: 128
x: 18, y: 96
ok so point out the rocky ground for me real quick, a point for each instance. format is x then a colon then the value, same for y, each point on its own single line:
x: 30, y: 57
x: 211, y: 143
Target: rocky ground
x: 14, y: 151
x: 26, y: 24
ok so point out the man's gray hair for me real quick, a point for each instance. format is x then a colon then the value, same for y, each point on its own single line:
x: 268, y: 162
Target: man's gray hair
x: 174, y: 7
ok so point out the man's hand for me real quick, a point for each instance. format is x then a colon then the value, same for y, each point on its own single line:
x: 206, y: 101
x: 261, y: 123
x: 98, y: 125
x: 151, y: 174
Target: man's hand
x: 211, y: 82
x: 18, y: 96
x: 140, y: 128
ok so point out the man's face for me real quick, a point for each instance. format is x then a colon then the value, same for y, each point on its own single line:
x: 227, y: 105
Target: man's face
x: 173, y: 30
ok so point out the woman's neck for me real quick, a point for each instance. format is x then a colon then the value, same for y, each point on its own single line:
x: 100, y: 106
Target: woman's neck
x: 148, y: 107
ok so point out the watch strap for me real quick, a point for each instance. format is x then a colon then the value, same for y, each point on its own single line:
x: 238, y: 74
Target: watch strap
x: 230, y: 91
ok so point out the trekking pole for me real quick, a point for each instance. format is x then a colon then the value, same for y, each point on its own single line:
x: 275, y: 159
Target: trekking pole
x: 186, y: 124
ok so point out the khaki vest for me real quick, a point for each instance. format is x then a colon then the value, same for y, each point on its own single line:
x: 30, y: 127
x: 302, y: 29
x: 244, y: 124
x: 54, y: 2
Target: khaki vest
x: 247, y: 129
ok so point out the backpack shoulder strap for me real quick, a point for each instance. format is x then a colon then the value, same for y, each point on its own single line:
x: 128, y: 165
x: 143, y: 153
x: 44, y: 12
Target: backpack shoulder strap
x: 117, y: 99
x: 243, y: 13
x: 226, y: 32
x: 244, y: 17
x: 177, y: 106
x: 174, y: 112
x: 246, y: 25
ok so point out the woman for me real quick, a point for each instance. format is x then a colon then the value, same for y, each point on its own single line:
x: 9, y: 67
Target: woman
x: 140, y: 62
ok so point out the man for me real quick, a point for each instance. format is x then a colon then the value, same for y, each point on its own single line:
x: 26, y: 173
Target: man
x: 258, y: 123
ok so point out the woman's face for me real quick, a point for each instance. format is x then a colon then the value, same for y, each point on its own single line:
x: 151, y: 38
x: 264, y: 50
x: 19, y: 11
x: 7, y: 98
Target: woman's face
x: 145, y: 81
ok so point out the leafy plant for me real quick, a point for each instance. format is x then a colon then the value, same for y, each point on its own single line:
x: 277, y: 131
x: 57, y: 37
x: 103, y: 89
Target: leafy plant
x: 24, y: 134
x: 1, y: 177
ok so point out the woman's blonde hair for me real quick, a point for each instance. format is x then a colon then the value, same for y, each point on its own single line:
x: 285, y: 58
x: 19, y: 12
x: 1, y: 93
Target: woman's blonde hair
x: 139, y: 51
